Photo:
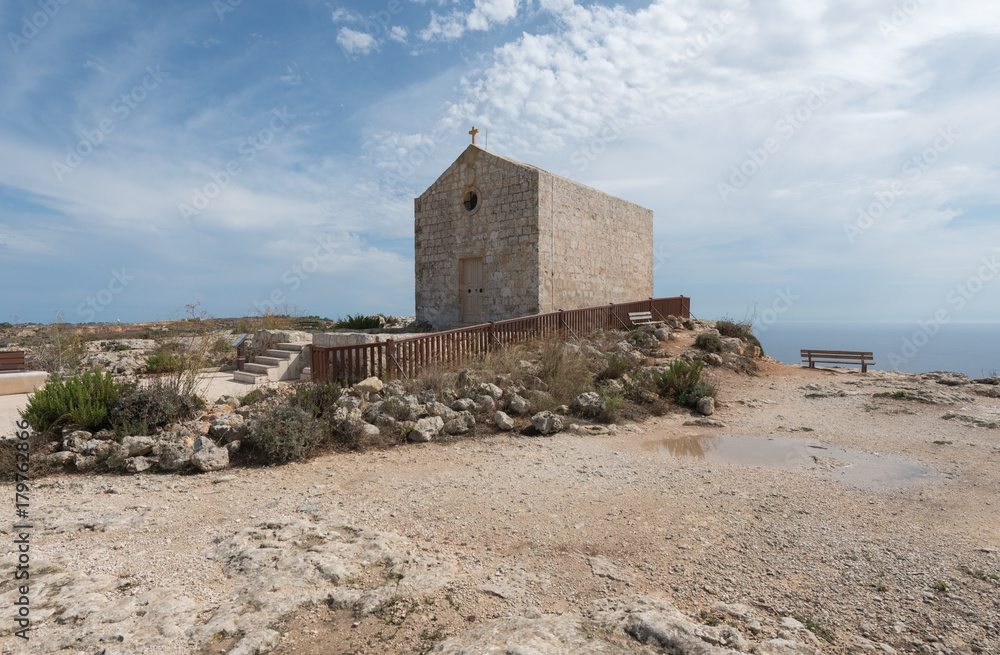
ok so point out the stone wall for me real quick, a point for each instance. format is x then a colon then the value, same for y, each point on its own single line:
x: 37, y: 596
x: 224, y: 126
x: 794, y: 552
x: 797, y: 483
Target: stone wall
x: 595, y: 248
x: 502, y: 229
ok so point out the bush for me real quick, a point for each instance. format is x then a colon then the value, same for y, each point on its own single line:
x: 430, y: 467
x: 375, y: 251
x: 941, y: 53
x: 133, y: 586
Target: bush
x: 315, y: 399
x: 285, y: 434
x: 682, y: 382
x: 154, y: 405
x: 738, y: 330
x: 163, y: 362
x: 567, y: 373
x: 709, y: 343
x: 358, y: 322
x: 85, y: 400
x: 255, y: 396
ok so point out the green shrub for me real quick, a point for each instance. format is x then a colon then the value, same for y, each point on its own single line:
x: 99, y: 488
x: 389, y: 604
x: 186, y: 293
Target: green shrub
x: 612, y: 404
x: 682, y: 382
x: 315, y: 398
x: 741, y: 331
x: 359, y: 322
x: 144, y: 409
x: 254, y: 396
x: 285, y: 434
x: 709, y: 343
x: 84, y: 400
x: 163, y: 363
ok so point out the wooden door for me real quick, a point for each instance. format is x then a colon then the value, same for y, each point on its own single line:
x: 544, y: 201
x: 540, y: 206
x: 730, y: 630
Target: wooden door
x: 471, y: 288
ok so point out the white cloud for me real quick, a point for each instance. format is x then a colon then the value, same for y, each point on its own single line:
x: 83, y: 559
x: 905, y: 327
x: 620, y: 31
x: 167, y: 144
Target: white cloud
x: 354, y: 42
x: 483, y: 15
x: 398, y: 33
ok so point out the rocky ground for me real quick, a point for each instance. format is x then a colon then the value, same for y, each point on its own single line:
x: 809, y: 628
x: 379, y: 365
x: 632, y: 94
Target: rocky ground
x: 572, y: 543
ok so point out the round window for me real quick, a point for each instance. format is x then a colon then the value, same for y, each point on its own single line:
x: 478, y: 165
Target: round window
x: 471, y: 201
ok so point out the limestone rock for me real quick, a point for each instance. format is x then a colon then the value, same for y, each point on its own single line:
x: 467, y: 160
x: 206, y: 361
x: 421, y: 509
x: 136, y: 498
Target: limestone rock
x: 369, y: 385
x: 75, y: 440
x: 547, y: 423
x: 60, y: 458
x: 490, y: 389
x: 369, y: 431
x: 540, y: 400
x: 485, y: 403
x: 464, y: 405
x: 85, y: 463
x: 138, y: 464
x: 174, y: 457
x: 210, y: 458
x: 96, y: 447
x: 714, y: 360
x: 426, y: 429
x: 503, y: 421
x: 440, y: 409
x: 518, y: 405
x: 202, y: 443
x: 663, y: 334
x: 228, y: 427
x: 588, y: 403
x: 135, y: 446
x: 232, y: 401
x: 706, y: 406
x: 784, y: 647
x: 706, y: 422
x: 461, y: 424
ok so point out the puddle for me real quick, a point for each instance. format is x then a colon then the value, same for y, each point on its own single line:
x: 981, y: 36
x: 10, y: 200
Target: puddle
x: 851, y: 467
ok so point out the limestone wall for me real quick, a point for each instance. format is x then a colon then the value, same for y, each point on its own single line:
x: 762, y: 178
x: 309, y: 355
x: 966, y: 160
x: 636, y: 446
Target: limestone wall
x: 502, y: 229
x: 594, y: 248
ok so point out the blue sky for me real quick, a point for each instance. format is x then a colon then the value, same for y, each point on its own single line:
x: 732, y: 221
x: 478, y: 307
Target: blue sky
x: 820, y: 160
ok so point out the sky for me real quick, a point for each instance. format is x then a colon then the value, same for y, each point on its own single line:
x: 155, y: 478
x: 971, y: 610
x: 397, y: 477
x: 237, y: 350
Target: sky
x: 805, y: 161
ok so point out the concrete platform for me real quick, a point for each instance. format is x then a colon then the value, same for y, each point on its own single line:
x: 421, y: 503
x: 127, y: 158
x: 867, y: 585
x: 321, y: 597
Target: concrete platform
x: 21, y: 382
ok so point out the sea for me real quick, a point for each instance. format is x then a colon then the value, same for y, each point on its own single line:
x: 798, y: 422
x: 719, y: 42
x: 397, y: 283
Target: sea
x: 970, y: 348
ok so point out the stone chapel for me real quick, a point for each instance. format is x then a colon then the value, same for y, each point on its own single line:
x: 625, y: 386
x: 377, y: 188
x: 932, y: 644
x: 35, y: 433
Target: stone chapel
x: 497, y: 239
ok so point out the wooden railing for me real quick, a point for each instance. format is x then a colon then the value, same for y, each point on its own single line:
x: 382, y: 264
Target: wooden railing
x: 407, y: 357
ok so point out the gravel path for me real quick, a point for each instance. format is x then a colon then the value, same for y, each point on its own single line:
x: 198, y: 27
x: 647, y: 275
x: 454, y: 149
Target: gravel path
x: 439, y: 539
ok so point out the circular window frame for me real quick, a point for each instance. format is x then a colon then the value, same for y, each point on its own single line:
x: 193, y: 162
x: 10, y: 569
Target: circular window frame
x: 473, y: 191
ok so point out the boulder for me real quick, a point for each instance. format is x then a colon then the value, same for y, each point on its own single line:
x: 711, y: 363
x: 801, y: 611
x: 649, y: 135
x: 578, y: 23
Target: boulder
x: 440, y: 409
x: 714, y: 360
x: 96, y: 447
x: 461, y: 424
x: 503, y: 421
x: 228, y: 427
x: 135, y: 446
x: 426, y: 429
x: 175, y: 456
x: 588, y: 403
x: 427, y: 396
x: 105, y: 435
x: 203, y: 443
x: 370, y: 432
x: 75, y: 440
x: 663, y: 334
x: 485, y: 403
x: 85, y: 463
x: 706, y: 406
x: 464, y: 405
x: 393, y: 389
x: 210, y: 458
x: 138, y: 464
x: 350, y: 402
x: 233, y: 446
x: 60, y: 458
x: 490, y: 389
x: 518, y: 405
x: 369, y: 385
x: 467, y: 378
x: 232, y: 401
x: 547, y: 423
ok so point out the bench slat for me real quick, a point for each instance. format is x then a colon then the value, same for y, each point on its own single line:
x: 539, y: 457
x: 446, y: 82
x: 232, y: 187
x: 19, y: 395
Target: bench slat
x: 836, y: 352
x: 849, y: 357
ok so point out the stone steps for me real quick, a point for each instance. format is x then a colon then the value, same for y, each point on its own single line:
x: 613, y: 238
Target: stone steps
x: 275, y: 364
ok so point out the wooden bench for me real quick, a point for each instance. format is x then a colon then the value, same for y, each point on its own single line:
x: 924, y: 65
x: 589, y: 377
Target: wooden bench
x: 813, y: 357
x: 642, y: 318
x: 11, y: 362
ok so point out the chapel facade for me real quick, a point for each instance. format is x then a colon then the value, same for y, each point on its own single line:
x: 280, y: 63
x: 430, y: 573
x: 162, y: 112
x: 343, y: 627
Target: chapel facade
x: 495, y: 238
